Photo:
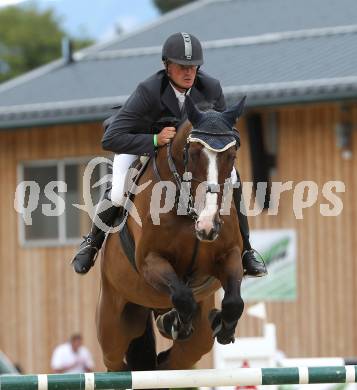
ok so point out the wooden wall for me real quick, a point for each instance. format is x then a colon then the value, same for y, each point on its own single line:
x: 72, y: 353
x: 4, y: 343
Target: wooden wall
x: 323, y: 320
x: 42, y: 301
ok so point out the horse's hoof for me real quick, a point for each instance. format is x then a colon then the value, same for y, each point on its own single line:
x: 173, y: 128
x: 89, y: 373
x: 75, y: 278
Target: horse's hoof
x: 223, y: 334
x: 225, y: 339
x: 185, y: 332
x: 170, y: 326
x: 214, y: 318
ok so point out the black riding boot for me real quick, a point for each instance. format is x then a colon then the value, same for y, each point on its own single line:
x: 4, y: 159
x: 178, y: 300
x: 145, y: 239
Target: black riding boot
x: 251, y: 265
x: 90, y: 246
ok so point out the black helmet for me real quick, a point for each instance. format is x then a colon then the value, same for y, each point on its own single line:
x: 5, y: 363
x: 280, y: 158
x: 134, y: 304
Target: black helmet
x: 182, y: 48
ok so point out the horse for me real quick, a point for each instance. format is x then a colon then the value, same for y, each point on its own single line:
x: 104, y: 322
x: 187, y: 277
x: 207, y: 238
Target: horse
x: 182, y: 261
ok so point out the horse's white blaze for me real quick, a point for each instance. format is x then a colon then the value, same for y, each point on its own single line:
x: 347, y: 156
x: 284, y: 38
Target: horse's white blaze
x: 205, y: 219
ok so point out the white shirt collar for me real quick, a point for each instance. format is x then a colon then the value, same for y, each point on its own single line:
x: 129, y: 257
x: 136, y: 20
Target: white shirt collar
x: 181, y: 96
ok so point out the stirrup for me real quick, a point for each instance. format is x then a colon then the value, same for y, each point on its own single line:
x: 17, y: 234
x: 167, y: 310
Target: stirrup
x: 255, y: 252
x: 260, y: 257
x: 89, y: 243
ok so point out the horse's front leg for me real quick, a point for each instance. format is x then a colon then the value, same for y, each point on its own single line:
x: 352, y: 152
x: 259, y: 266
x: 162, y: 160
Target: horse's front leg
x: 230, y: 274
x: 159, y: 273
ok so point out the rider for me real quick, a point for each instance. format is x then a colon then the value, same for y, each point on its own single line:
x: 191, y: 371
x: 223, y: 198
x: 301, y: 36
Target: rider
x: 129, y: 133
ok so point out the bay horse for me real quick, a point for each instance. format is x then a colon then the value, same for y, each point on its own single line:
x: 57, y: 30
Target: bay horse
x: 181, y: 262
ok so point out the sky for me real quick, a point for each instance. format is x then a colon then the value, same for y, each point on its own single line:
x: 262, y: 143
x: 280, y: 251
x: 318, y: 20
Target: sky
x: 96, y: 19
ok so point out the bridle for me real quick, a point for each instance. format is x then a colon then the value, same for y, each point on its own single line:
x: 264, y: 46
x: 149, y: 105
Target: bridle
x: 183, y: 183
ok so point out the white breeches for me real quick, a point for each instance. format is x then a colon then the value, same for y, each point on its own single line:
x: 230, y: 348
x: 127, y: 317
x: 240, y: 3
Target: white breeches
x: 121, y: 165
x: 234, y: 176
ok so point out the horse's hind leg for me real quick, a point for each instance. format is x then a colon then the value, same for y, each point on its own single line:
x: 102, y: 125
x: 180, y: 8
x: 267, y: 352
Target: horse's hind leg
x: 112, y: 340
x: 185, y: 353
x: 118, y: 323
x: 141, y: 353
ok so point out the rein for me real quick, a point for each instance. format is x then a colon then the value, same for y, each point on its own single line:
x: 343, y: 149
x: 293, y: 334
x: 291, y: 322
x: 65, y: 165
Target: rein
x: 180, y: 182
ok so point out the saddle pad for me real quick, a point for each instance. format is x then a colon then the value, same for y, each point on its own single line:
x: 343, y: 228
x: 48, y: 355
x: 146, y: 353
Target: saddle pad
x: 125, y: 237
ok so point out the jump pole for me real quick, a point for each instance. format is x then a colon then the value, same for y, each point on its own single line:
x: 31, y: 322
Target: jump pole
x: 181, y: 378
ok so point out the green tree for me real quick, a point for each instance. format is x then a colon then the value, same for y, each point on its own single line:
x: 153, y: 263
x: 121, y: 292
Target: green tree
x: 168, y: 5
x: 29, y: 38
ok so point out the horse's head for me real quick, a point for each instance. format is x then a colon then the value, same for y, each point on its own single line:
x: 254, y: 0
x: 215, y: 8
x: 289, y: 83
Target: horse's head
x: 210, y: 154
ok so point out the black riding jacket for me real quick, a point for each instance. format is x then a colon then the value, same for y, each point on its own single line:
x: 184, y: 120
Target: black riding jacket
x: 131, y: 129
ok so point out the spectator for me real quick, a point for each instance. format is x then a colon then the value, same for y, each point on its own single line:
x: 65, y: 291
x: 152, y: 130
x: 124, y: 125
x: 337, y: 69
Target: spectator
x: 72, y: 357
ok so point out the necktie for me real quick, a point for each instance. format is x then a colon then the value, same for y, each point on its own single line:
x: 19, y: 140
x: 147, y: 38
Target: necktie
x: 181, y: 99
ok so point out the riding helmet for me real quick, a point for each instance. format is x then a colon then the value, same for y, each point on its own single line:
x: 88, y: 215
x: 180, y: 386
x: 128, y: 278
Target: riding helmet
x: 183, y: 49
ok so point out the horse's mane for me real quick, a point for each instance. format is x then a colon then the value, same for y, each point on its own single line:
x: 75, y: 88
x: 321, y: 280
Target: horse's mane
x: 182, y: 133
x: 185, y: 127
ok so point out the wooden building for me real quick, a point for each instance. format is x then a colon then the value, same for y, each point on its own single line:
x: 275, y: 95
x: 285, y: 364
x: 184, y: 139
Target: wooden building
x: 299, y: 71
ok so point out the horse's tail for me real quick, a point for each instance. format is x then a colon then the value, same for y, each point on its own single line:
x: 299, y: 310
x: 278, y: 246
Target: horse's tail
x: 141, y: 354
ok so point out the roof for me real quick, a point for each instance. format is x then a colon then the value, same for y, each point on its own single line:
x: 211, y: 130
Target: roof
x: 276, y: 51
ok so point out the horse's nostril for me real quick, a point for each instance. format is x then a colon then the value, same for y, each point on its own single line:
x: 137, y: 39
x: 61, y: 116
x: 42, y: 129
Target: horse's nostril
x: 210, y: 235
x: 217, y: 226
x: 213, y: 235
x: 207, y: 229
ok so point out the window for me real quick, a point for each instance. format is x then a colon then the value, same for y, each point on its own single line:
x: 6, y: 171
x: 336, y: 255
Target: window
x: 57, y: 199
x: 262, y: 133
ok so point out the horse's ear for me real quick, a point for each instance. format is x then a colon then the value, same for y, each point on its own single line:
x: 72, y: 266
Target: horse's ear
x: 234, y: 112
x: 194, y: 115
